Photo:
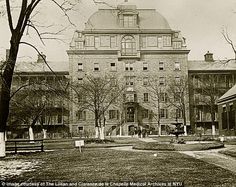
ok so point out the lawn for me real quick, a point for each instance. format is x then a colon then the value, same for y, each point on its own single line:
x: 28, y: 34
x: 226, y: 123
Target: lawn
x: 101, y: 165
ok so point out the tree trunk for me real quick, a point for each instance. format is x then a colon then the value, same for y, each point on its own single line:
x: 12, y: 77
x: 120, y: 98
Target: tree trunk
x: 6, y: 87
x: 159, y: 128
x: 31, y: 135
x: 102, y: 134
x: 213, y: 128
x: 96, y: 132
x: 96, y: 125
x: 44, y: 134
x: 2, y: 145
x: 185, y: 125
x: 5, y: 135
x: 120, y: 130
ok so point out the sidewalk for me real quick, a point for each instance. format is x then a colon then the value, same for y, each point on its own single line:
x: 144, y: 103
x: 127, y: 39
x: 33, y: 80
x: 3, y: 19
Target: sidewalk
x: 214, y: 157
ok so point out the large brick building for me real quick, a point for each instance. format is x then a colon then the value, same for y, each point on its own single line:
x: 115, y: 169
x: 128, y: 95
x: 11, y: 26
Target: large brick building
x: 227, y: 114
x: 136, y: 45
x: 210, y: 79
x: 39, y: 93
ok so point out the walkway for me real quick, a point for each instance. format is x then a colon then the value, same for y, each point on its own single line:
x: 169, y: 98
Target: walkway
x: 210, y: 156
x: 214, y: 157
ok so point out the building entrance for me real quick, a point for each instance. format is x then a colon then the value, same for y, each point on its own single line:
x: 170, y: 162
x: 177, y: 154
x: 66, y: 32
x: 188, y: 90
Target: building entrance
x: 130, y: 114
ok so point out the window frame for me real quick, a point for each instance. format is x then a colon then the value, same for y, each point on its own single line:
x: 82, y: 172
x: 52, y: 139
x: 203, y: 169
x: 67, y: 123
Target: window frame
x: 145, y: 97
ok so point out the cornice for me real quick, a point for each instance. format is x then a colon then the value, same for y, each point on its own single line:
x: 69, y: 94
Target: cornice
x: 115, y: 52
x: 129, y: 30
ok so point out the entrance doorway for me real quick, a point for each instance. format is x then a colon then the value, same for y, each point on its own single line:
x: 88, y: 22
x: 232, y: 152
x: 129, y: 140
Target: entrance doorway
x: 130, y: 114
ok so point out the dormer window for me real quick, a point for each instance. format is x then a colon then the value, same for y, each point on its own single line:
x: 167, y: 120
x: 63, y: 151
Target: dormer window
x: 129, y: 20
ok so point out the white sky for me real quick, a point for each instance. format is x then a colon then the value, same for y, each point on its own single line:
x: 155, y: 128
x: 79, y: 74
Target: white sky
x: 200, y: 22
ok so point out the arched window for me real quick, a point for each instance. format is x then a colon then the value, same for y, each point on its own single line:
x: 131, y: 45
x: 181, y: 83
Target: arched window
x: 128, y: 46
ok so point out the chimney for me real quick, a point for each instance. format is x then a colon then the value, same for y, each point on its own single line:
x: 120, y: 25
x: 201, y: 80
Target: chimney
x: 209, y: 57
x: 7, y: 54
x: 41, y: 58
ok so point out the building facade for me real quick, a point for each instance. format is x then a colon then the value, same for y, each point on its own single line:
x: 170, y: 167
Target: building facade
x: 227, y: 114
x: 39, y: 98
x: 135, y: 45
x: 209, y: 79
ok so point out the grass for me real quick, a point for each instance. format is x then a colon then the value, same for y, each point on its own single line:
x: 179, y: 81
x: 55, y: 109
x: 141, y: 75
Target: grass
x: 89, y: 143
x: 231, y: 153
x: 177, y: 147
x: 99, y: 165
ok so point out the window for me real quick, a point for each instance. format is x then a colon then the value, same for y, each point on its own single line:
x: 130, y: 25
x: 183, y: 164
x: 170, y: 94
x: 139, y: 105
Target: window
x: 89, y: 41
x: 145, y: 66
x: 143, y: 41
x: 159, y: 42
x: 129, y: 20
x: 129, y: 80
x: 96, y: 66
x: 105, y: 41
x: 128, y: 46
x: 79, y: 45
x: 113, y: 82
x: 163, y: 97
x: 161, y: 65
x: 163, y: 113
x: 113, y: 114
x: 145, y: 97
x: 81, y: 98
x: 152, y: 41
x: 113, y: 42
x: 166, y: 41
x: 177, y: 80
x: 177, y: 66
x: 177, y: 97
x: 81, y: 115
x: 80, y: 67
x: 162, y: 81
x: 224, y: 119
x: 177, y: 45
x: 129, y: 66
x: 178, y: 113
x: 80, y: 80
x: 97, y: 42
x: 80, y: 128
x: 113, y: 66
x: 59, y: 118
x: 145, y: 81
x: 145, y: 113
x: 130, y: 97
x: 231, y: 117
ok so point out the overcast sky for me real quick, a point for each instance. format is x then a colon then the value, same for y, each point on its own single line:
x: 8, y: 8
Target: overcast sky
x: 200, y: 22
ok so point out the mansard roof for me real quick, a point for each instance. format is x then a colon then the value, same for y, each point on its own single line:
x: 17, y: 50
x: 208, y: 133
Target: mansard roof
x: 107, y: 19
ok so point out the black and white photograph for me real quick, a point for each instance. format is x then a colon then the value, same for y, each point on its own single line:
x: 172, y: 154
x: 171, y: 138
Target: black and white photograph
x: 117, y: 93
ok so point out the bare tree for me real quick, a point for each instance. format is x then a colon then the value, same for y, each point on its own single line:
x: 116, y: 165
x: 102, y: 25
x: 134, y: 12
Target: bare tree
x: 229, y: 40
x: 26, y: 12
x: 33, y: 101
x: 157, y: 95
x: 97, y: 94
x: 207, y: 95
x: 178, y: 94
